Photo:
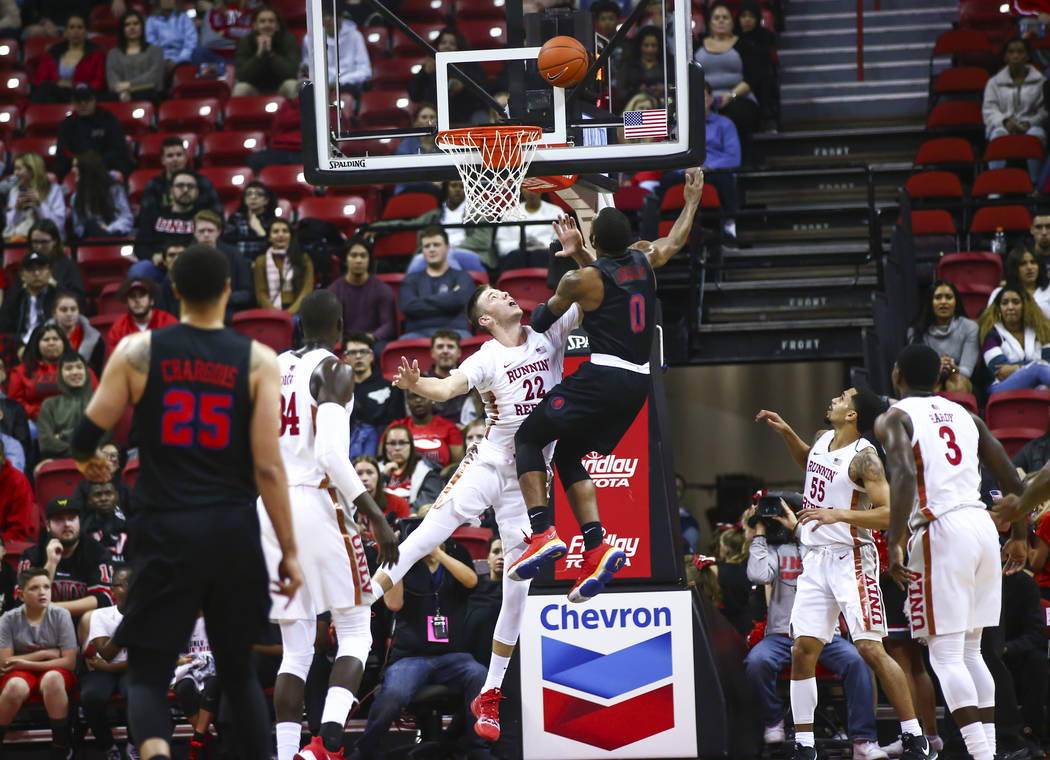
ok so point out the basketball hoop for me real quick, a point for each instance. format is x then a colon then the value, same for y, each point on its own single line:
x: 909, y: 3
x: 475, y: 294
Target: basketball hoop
x: 492, y: 161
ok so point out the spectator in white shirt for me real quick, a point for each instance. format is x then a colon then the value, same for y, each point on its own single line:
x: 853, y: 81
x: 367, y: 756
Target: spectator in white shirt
x: 537, y: 236
x: 351, y: 66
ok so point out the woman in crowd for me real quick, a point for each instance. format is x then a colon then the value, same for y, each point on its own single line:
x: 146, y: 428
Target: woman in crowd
x: 408, y: 475
x: 730, y: 68
x: 758, y: 45
x: 134, y: 68
x: 73, y: 61
x: 246, y: 229
x: 283, y: 275
x: 170, y: 29
x: 1024, y: 269
x: 36, y: 378
x: 44, y: 238
x: 268, y: 58
x: 370, y: 472
x: 34, y: 197
x: 732, y: 578
x: 942, y: 325
x: 99, y: 205
x: 642, y: 70
x: 463, y: 102
x: 1013, y: 100
x: 1015, y: 338
x: 474, y: 432
x: 85, y: 339
x: 426, y: 116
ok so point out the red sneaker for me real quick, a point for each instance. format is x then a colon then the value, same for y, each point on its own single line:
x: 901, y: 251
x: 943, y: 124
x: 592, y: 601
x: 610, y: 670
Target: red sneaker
x: 315, y: 750
x: 200, y: 750
x: 485, y: 707
x: 599, y: 565
x: 543, y: 547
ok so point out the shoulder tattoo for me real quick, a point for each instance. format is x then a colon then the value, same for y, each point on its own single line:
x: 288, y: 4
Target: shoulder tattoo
x: 138, y: 354
x: 866, y: 466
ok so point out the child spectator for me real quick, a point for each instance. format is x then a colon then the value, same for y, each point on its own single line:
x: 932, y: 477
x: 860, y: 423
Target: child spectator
x: 38, y: 652
x: 60, y: 414
x: 134, y: 68
x: 85, y: 339
x: 99, y: 205
x: 283, y: 275
x: 75, y: 60
x: 268, y: 58
x: 104, y: 520
x: 170, y: 29
x: 34, y: 197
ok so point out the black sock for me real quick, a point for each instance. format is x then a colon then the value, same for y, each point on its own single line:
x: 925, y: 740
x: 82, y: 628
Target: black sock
x: 60, y: 732
x: 539, y: 519
x: 199, y: 737
x: 592, y: 535
x: 332, y: 736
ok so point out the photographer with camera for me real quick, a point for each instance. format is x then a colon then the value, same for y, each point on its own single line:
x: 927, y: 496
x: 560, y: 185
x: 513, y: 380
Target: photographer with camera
x: 776, y: 559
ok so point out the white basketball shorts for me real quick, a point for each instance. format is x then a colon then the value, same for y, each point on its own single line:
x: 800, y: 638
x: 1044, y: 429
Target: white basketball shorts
x: 839, y: 579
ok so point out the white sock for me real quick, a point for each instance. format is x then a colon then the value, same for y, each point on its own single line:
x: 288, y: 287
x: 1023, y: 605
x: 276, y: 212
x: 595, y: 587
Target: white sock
x: 976, y: 741
x: 804, y: 703
x: 497, y: 669
x: 989, y: 735
x: 288, y: 737
x: 911, y: 727
x: 805, y: 738
x: 935, y: 742
x: 337, y: 705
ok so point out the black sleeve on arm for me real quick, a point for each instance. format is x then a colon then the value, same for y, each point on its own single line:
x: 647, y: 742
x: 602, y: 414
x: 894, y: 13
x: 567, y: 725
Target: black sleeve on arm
x: 542, y: 318
x: 84, y: 442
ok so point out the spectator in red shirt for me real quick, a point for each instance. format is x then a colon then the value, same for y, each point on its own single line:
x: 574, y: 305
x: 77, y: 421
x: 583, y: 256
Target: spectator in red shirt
x: 414, y: 479
x: 367, y: 468
x: 434, y: 438
x: 36, y: 378
x: 74, y: 60
x: 18, y: 517
x: 138, y: 293
x: 1039, y: 554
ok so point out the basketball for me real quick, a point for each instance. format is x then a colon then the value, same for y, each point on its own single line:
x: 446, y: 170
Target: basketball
x: 563, y: 61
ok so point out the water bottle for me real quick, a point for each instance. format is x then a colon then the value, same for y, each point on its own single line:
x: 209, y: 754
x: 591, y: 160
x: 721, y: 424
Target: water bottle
x: 999, y: 241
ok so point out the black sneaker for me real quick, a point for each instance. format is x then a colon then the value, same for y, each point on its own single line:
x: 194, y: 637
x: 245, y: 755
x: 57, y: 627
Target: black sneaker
x: 917, y: 748
x: 804, y: 753
x: 1022, y: 753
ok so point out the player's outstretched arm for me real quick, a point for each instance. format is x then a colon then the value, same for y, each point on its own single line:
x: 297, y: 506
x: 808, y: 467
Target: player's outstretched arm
x: 572, y: 245
x: 270, y: 478
x: 576, y: 286
x: 798, y: 448
x: 408, y: 378
x: 666, y: 247
x: 896, y: 442
x: 333, y: 389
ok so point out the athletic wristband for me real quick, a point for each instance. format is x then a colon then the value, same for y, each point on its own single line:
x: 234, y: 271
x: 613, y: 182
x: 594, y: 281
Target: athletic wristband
x: 84, y: 442
x: 542, y: 318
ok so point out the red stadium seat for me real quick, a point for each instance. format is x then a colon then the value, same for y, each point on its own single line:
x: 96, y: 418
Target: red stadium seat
x: 484, y: 33
x: 131, y: 472
x: 385, y: 108
x: 8, y: 120
x: 102, y: 20
x: 103, y: 264
x: 971, y: 270
x: 984, y: 14
x: 384, y: 146
x: 107, y: 301
x: 393, y: 279
x: 936, y: 184
x: 1014, y: 439
x: 14, y: 87
x: 150, y: 148
x: 1020, y: 408
x: 272, y: 327
x: 403, y: 46
x: 526, y: 286
x: 377, y: 40
x: 1011, y: 218
x: 974, y: 301
x: 956, y: 115
x: 961, y: 80
x: 189, y: 114
x: 56, y: 478
x: 186, y: 84
x: 410, y: 348
x: 414, y: 11
x: 292, y: 12
x: 396, y: 73
x: 33, y: 50
x: 372, y: 195
x: 102, y: 322
x: 1009, y: 147
x: 47, y: 147
x: 229, y: 181
x: 12, y: 262
x: 230, y: 148
x: 10, y: 49
x: 467, y: 10
x: 251, y: 112
x: 474, y: 540
x: 962, y: 41
x: 136, y: 117
x: 1001, y: 182
x: 468, y: 346
x: 932, y: 222
x: 346, y: 213
x: 287, y: 181
x: 408, y: 205
x: 945, y: 150
x: 42, y: 120
x: 965, y: 399
x: 137, y: 182
x: 630, y: 198
x: 396, y: 244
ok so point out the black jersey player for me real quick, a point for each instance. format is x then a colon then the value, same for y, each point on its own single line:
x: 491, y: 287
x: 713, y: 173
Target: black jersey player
x: 592, y: 409
x: 207, y: 416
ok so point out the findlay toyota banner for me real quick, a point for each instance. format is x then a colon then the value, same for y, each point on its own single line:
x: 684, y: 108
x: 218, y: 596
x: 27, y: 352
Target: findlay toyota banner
x: 609, y: 678
x: 622, y: 484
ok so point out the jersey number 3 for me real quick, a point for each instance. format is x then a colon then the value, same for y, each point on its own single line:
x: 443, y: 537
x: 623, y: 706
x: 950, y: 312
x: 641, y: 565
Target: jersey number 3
x: 954, y: 453
x: 181, y: 407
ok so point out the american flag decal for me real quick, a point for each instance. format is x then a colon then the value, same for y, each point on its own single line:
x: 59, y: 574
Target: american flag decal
x: 644, y: 124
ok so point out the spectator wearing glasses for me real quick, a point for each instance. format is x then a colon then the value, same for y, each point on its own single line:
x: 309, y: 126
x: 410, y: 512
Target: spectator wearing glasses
x: 44, y: 238
x: 376, y: 402
x: 246, y: 228
x: 159, y: 227
x: 408, y: 475
x: 158, y: 191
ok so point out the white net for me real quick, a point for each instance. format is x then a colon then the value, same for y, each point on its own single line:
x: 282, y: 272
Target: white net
x: 492, y: 162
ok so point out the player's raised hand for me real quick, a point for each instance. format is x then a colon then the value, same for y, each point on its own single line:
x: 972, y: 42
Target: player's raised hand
x: 97, y: 469
x: 694, y: 186
x: 1007, y: 510
x: 570, y: 236
x: 386, y: 542
x: 407, y: 374
x: 290, y: 576
x: 772, y: 419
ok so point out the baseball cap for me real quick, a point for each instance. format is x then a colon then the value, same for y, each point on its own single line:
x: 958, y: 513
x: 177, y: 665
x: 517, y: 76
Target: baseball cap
x: 83, y: 91
x: 35, y: 259
x: 138, y: 285
x: 59, y: 505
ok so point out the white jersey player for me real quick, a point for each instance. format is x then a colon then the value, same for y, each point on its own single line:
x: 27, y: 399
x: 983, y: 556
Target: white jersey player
x: 845, y: 497
x: 316, y: 401
x: 512, y: 372
x: 934, y: 449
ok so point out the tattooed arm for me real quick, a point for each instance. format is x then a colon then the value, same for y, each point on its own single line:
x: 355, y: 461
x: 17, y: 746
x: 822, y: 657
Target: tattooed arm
x: 865, y: 471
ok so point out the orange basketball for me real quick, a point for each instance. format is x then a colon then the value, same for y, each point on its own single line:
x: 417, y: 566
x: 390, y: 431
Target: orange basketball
x: 563, y: 61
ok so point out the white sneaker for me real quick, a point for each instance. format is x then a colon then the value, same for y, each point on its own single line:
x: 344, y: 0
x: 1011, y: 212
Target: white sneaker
x: 774, y: 734
x: 868, y: 750
x: 894, y: 749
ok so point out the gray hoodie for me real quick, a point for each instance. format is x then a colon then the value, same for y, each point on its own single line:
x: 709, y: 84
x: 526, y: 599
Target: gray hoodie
x: 780, y: 567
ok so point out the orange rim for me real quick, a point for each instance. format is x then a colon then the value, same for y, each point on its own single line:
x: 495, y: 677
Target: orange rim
x: 500, y: 146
